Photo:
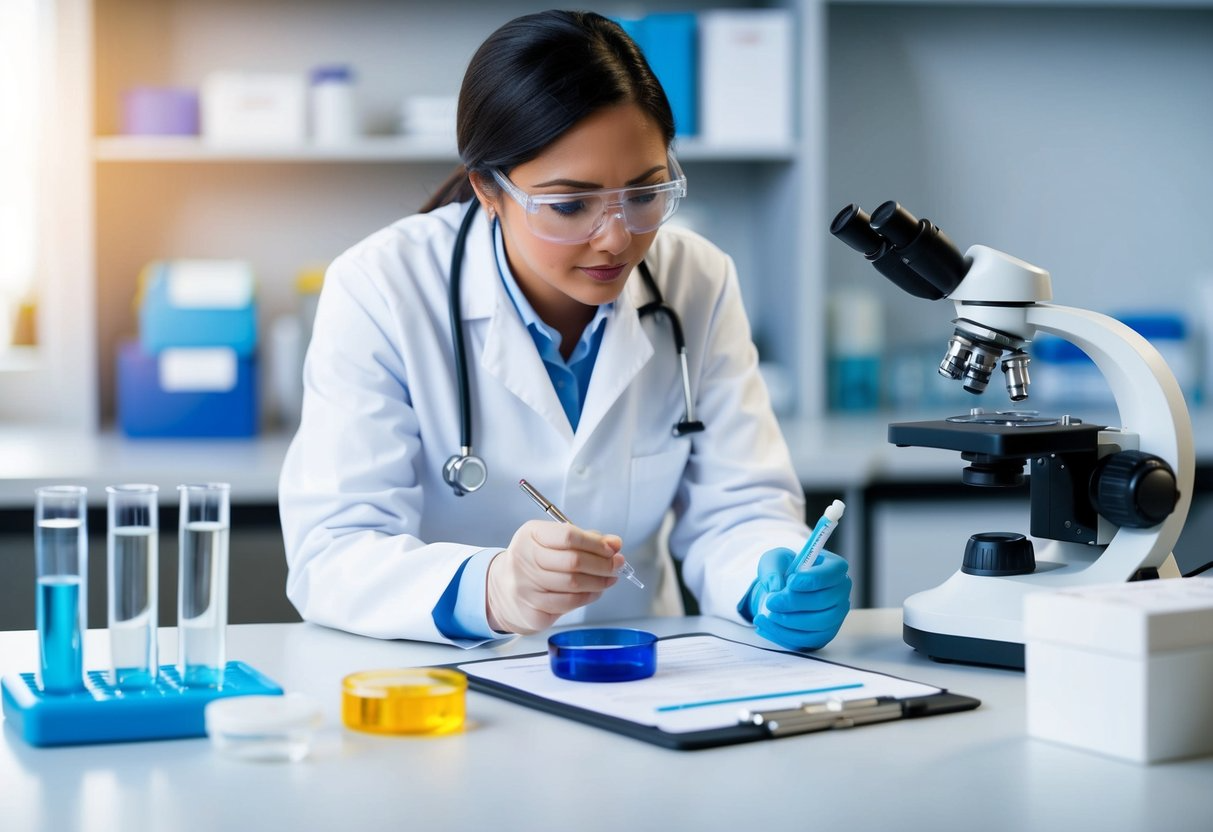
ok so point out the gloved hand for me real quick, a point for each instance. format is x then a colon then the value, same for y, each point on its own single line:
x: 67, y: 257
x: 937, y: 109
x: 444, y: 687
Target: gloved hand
x: 549, y: 569
x: 805, y: 611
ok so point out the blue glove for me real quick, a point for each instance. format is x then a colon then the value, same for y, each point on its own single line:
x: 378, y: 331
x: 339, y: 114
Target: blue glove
x: 805, y: 611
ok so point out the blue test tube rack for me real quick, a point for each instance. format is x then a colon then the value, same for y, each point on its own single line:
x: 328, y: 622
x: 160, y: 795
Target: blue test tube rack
x: 101, y: 712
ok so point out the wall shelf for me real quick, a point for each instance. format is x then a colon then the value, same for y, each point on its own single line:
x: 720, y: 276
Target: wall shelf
x: 371, y: 149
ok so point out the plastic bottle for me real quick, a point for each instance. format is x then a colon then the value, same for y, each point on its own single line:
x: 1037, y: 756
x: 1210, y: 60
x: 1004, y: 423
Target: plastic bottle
x: 334, y: 115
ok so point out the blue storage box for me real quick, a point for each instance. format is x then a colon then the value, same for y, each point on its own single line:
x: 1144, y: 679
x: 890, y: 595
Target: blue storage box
x: 198, y: 303
x: 669, y: 42
x: 186, y: 392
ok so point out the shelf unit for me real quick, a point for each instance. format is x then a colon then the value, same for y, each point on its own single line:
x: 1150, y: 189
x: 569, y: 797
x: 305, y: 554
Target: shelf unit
x: 1072, y: 134
x: 287, y: 208
x: 369, y: 149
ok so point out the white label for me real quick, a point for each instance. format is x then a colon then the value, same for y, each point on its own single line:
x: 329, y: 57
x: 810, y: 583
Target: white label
x: 210, y: 284
x: 194, y: 370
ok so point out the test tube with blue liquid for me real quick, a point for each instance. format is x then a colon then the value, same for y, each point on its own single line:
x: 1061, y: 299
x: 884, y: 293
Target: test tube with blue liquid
x: 132, y: 544
x: 61, y: 556
x: 203, y: 532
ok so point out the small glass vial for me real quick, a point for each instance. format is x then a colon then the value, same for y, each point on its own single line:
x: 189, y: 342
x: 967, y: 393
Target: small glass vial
x: 334, y: 114
x: 132, y: 544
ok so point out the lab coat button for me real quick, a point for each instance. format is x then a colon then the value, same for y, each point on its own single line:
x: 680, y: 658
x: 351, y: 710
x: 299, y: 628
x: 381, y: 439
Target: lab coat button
x: 582, y: 471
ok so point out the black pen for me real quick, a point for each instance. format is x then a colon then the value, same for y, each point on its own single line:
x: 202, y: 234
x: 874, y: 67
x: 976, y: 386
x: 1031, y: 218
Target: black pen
x: 556, y: 514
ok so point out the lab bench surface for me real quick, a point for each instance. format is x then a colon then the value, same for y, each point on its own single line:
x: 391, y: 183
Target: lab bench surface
x: 35, y: 456
x: 516, y: 768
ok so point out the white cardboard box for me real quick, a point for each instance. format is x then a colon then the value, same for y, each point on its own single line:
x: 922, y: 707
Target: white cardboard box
x: 746, y: 77
x: 1123, y: 669
x: 254, y: 108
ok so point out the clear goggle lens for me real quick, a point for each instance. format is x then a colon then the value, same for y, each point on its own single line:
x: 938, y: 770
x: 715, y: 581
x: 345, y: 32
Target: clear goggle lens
x: 578, y: 217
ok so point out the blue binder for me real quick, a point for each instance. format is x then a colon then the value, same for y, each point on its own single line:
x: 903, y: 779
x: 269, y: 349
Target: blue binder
x: 669, y: 43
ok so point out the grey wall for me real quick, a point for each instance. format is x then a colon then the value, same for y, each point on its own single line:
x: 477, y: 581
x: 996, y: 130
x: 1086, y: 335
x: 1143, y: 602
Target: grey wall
x: 1074, y: 138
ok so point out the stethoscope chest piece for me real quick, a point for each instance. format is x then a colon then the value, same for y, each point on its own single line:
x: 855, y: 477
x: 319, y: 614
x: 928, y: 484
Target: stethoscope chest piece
x: 465, y: 472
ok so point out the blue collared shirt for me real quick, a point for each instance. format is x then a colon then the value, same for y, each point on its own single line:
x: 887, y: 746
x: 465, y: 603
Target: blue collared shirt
x: 571, y: 378
x: 461, y: 611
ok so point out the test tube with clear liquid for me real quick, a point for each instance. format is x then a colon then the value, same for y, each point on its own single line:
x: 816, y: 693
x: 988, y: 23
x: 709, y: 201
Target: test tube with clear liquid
x: 132, y: 544
x: 61, y: 558
x: 203, y: 532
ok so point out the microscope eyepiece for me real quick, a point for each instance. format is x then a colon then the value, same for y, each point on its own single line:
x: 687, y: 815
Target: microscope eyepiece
x: 851, y: 225
x: 895, y: 224
x: 921, y: 246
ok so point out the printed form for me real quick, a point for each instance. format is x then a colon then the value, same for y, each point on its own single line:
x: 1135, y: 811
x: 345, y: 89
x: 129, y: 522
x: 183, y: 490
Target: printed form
x: 702, y: 682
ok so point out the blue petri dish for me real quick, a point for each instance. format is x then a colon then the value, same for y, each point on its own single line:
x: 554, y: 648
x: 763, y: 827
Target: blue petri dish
x: 604, y: 654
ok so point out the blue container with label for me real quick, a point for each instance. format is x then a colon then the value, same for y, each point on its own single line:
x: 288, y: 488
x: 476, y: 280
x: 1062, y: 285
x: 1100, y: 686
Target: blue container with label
x: 186, y: 392
x: 198, y: 303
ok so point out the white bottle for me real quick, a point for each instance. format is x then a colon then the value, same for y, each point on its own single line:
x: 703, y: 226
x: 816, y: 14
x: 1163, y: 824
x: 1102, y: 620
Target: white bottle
x: 334, y: 116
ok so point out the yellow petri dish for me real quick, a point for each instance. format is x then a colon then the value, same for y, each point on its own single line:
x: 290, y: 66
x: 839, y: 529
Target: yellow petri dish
x: 413, y: 700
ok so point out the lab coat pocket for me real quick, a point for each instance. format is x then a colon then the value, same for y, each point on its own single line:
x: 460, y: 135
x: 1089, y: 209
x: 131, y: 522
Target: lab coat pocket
x: 654, y: 480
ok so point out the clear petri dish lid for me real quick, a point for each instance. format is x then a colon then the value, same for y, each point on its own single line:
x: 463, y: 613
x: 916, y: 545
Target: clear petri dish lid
x: 262, y: 715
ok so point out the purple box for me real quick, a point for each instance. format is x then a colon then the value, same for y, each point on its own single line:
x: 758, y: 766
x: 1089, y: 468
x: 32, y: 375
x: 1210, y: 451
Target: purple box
x: 160, y: 111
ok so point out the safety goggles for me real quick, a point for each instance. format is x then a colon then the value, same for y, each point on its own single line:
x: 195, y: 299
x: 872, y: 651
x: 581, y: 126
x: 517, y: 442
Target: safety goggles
x: 578, y: 217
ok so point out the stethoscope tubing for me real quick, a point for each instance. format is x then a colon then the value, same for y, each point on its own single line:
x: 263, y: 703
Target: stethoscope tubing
x: 687, y: 425
x: 456, y: 312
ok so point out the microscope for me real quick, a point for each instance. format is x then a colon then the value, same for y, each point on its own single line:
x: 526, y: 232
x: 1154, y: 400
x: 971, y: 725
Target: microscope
x: 1107, y: 503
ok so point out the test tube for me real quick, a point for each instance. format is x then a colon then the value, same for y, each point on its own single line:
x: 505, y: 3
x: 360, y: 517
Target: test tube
x: 61, y: 557
x: 203, y: 531
x: 132, y: 543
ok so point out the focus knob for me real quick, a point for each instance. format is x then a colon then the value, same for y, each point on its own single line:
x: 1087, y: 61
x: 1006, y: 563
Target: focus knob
x: 1134, y: 489
x: 999, y: 553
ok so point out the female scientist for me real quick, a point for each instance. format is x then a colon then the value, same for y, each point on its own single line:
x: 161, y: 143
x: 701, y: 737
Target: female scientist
x: 510, y: 332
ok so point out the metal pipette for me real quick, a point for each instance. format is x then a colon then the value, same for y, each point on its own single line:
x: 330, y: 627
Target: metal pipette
x: 556, y: 514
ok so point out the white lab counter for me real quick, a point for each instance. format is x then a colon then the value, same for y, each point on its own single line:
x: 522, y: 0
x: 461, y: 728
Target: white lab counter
x: 33, y: 456
x: 517, y: 768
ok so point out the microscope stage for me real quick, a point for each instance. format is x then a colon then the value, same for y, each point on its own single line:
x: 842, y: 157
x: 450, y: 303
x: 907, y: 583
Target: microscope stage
x: 997, y: 440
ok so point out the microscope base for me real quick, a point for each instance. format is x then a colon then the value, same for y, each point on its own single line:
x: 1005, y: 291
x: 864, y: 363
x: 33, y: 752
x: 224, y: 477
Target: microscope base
x: 942, y: 647
x: 973, y: 619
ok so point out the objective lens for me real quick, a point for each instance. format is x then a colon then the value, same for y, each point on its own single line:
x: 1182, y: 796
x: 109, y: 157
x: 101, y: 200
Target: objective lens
x: 977, y: 372
x: 954, y: 360
x: 1015, y: 367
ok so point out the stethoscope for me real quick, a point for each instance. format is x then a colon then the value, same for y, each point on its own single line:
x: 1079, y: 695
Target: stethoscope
x: 465, y: 472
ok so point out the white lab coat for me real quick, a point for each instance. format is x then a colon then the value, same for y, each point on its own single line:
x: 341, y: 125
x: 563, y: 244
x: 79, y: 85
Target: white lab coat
x: 373, y: 534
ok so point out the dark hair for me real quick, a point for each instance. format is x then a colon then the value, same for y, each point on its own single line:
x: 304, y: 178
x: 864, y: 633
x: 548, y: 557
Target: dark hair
x: 536, y: 77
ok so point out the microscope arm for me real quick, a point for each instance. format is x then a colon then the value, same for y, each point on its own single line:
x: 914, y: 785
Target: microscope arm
x: 1151, y: 405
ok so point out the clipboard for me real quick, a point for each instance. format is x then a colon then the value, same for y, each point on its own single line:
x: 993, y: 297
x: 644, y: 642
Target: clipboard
x: 742, y: 693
